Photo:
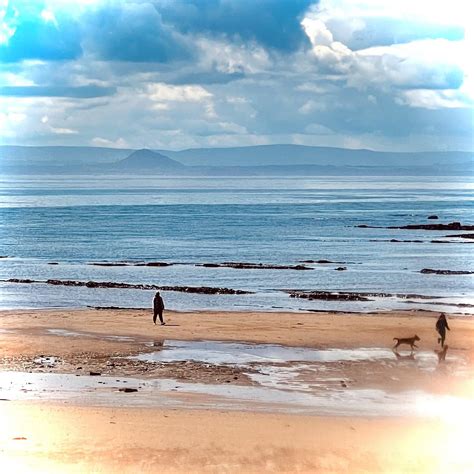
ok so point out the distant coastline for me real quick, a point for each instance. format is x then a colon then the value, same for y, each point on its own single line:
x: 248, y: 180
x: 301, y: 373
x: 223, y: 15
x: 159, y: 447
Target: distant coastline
x: 263, y: 160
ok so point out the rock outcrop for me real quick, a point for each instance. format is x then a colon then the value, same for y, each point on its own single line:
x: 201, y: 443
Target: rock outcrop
x: 208, y: 290
x: 253, y: 266
x: 445, y: 272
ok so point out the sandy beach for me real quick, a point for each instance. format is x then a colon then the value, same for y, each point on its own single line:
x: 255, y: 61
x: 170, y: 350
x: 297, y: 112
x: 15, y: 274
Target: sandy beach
x: 313, y: 392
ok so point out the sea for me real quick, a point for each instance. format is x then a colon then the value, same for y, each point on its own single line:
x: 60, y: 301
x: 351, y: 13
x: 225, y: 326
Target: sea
x: 55, y: 227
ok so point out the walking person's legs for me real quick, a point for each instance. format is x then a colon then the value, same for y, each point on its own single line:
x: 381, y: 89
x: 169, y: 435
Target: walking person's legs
x: 160, y: 314
x: 443, y: 337
x: 155, y: 314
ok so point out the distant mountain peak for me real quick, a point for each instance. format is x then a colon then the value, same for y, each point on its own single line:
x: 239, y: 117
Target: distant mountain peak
x: 149, y: 160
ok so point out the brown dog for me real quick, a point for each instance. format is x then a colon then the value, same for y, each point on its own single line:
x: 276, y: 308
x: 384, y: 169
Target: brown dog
x: 406, y: 340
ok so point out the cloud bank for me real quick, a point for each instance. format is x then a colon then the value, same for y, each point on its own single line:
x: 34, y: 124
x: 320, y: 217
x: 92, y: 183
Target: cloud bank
x: 178, y: 74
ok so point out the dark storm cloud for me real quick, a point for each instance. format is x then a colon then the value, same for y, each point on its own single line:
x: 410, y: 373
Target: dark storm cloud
x: 147, y: 31
x: 132, y: 32
x: 271, y: 23
x: 213, y: 77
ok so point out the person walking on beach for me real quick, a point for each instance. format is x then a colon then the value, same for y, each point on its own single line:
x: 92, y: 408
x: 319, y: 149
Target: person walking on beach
x: 158, y: 307
x: 441, y: 326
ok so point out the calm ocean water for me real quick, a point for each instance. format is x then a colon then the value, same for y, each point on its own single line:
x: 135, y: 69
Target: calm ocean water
x: 74, y: 221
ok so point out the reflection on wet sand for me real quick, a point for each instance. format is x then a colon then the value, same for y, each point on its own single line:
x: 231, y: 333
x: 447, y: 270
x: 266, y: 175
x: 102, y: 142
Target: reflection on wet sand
x: 442, y: 354
x: 410, y: 356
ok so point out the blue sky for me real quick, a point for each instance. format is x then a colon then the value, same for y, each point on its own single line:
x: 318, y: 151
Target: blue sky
x: 176, y: 74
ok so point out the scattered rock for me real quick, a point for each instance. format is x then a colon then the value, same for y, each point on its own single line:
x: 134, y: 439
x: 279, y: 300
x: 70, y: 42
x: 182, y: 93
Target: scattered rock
x: 94, y: 373
x: 128, y: 390
x: 433, y: 217
x: 53, y: 263
x: 340, y: 269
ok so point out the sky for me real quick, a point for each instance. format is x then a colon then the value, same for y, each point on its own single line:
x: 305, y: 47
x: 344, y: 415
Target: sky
x: 177, y: 74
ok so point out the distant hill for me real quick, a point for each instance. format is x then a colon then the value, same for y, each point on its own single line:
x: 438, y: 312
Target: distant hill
x: 282, y: 155
x: 147, y: 160
x: 272, y: 160
x: 72, y: 155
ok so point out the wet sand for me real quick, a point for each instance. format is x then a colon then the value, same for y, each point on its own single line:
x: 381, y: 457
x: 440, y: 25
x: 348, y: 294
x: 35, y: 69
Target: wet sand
x: 172, y: 433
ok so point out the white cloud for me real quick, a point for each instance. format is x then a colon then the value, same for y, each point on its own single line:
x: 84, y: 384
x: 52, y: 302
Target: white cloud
x: 231, y: 58
x: 63, y: 131
x: 162, y: 92
x: 7, y: 27
x: 433, y: 99
x: 427, y: 64
x: 48, y: 16
x: 458, y: 12
x: 311, y: 106
x: 118, y: 143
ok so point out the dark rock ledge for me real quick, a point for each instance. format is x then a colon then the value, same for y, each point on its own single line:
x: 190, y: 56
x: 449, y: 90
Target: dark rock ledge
x: 450, y: 226
x: 462, y: 236
x: 446, y: 272
x: 327, y: 295
x: 252, y: 266
x: 207, y: 290
x: 396, y: 240
x: 351, y: 296
x: 130, y: 264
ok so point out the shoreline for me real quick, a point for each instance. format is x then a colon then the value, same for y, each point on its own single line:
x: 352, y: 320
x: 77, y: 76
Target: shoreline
x: 279, y: 407
x: 409, y: 312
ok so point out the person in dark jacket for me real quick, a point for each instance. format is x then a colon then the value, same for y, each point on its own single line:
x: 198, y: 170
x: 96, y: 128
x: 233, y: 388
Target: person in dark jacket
x: 441, y: 326
x: 158, y: 307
